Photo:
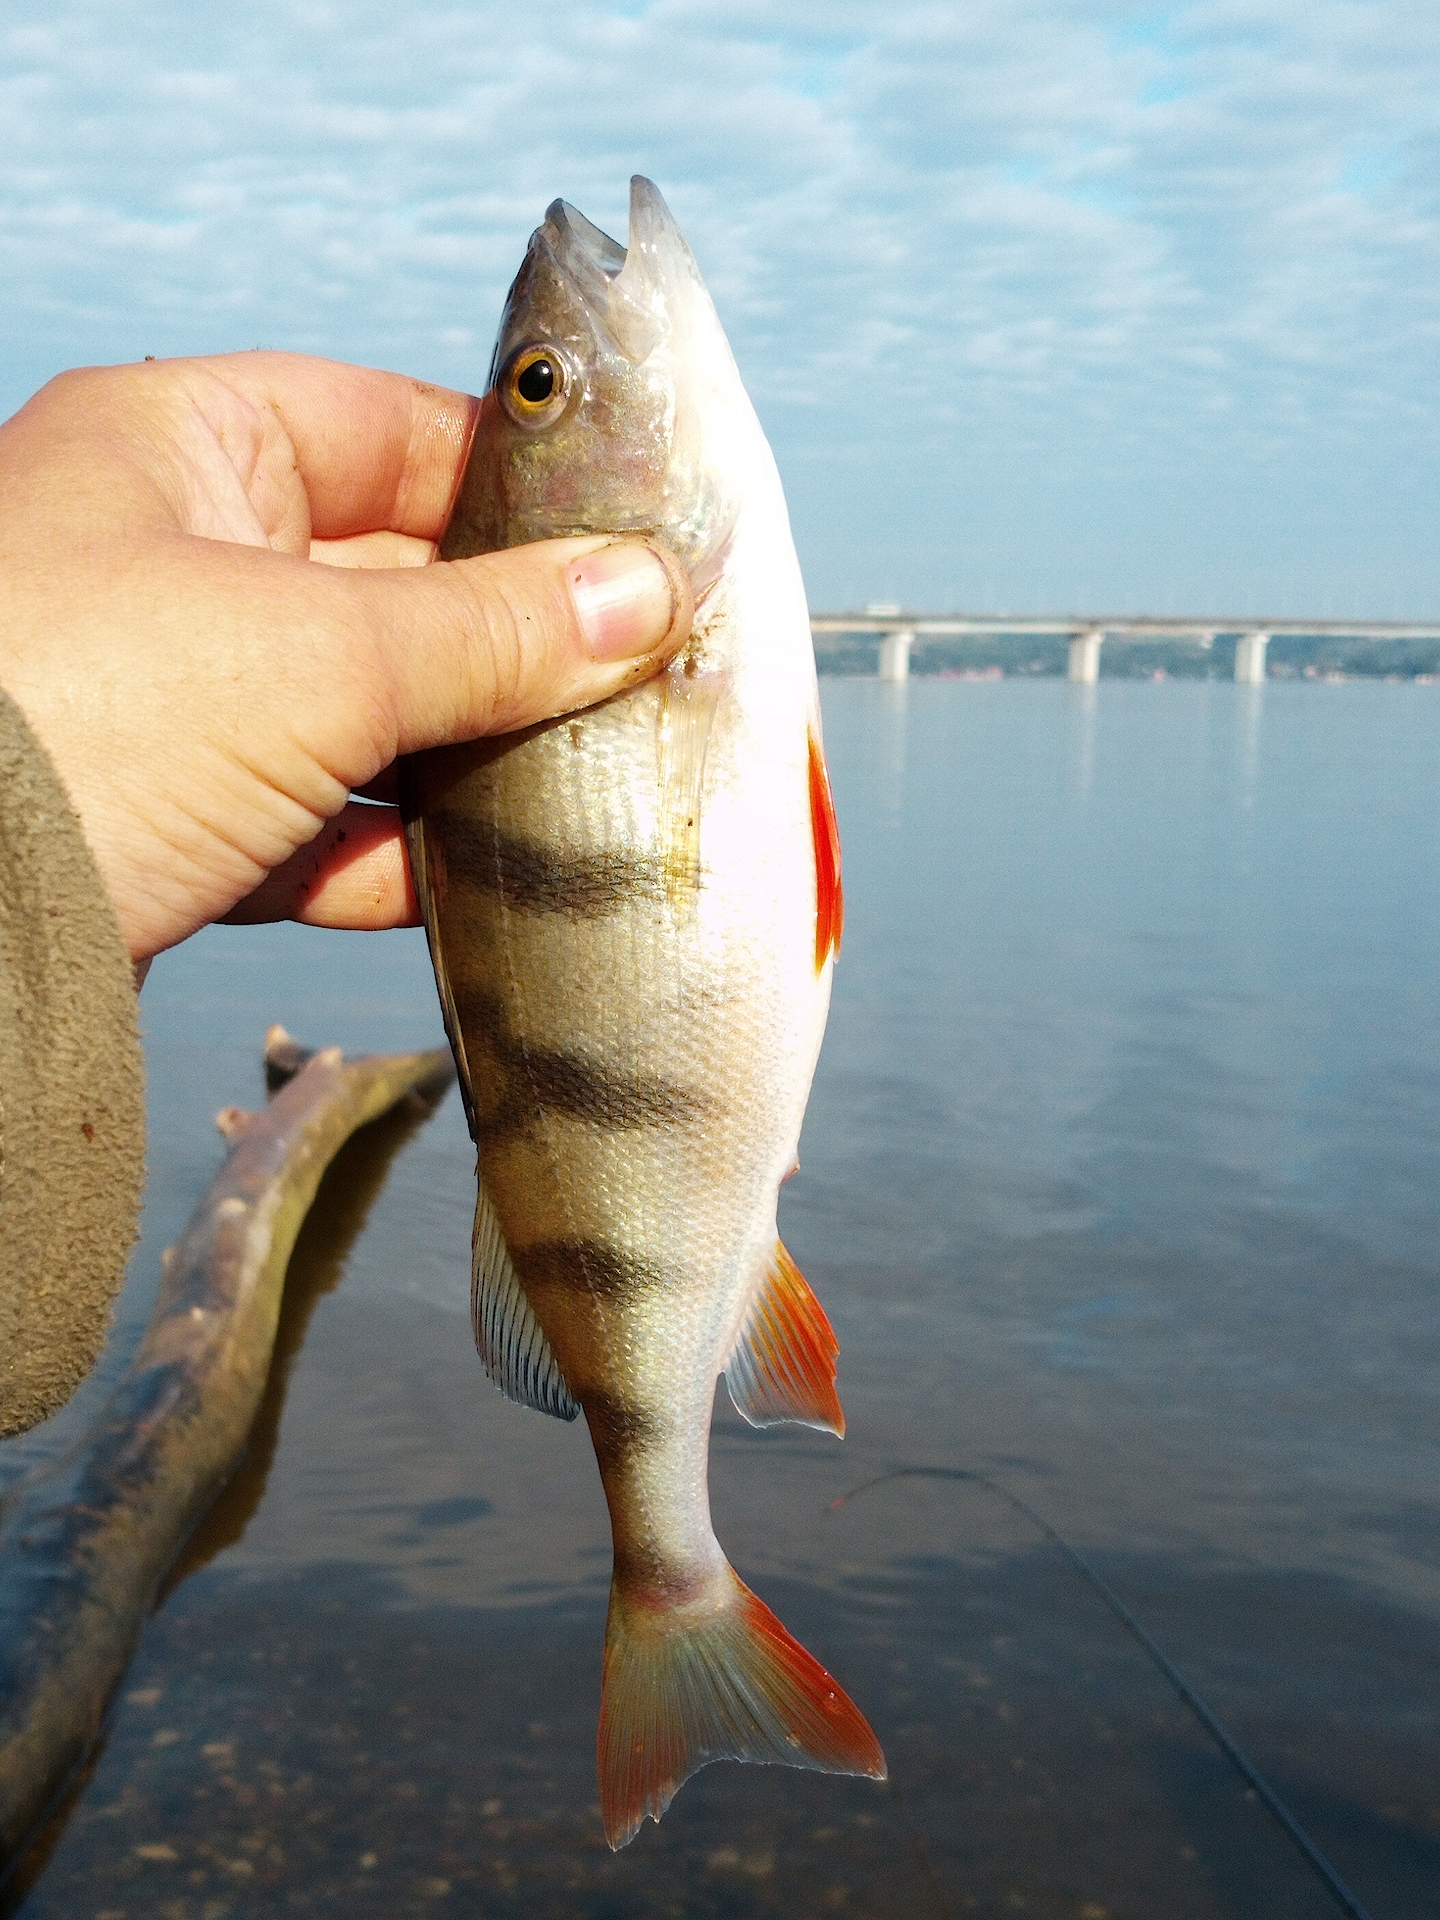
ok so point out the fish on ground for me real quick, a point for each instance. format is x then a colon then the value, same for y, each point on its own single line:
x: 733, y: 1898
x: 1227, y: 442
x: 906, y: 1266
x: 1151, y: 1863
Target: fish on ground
x: 633, y: 914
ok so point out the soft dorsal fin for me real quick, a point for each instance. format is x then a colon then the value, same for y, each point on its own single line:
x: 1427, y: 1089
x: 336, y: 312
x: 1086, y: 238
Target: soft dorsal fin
x: 783, y: 1364
x: 510, y: 1340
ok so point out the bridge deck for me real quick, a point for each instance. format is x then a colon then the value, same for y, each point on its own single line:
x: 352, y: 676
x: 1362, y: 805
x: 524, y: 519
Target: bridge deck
x: 1118, y: 626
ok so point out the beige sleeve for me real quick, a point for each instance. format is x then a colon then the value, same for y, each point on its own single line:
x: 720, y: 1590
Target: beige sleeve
x: 72, y: 1091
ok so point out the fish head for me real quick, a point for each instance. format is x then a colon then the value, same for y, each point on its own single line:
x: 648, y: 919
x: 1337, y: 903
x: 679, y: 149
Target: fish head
x: 614, y: 403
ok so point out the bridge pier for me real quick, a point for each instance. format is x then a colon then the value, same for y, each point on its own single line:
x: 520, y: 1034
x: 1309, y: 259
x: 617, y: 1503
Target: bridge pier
x: 1250, y: 659
x: 895, y: 654
x: 1085, y: 656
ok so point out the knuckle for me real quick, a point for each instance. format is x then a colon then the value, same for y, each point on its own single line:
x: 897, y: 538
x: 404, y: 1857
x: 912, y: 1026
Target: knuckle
x: 500, y: 649
x: 355, y: 650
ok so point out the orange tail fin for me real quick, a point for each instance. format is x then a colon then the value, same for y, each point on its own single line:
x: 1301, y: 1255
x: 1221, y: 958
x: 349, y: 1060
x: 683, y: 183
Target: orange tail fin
x: 710, y: 1681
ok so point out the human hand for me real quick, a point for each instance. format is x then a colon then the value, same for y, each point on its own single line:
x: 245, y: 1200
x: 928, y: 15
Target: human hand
x: 217, y: 616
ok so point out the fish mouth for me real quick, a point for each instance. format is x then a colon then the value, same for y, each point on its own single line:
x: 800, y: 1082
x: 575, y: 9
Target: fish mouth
x: 635, y: 291
x: 580, y: 247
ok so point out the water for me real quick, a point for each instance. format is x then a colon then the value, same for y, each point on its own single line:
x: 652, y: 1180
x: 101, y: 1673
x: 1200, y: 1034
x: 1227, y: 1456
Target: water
x: 1119, y: 1184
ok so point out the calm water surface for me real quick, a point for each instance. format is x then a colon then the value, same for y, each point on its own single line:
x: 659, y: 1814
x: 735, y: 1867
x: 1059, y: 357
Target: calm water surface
x: 1120, y: 1186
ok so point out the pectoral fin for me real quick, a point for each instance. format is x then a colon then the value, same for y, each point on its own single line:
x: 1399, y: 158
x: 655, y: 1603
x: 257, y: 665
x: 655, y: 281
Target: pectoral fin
x: 510, y: 1340
x: 426, y: 873
x: 783, y: 1364
x: 688, y: 701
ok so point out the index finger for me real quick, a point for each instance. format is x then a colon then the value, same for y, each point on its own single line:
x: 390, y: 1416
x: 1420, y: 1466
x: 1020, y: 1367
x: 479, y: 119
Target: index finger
x: 376, y: 452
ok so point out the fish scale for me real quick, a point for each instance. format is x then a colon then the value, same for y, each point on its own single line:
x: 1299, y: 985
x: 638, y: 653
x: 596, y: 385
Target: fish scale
x: 632, y: 914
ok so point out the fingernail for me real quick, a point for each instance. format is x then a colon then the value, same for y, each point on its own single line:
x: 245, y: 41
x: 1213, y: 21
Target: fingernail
x: 624, y: 597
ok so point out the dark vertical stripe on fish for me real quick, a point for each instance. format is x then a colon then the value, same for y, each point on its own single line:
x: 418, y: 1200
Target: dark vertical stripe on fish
x: 585, y: 1089
x: 618, y: 1427
x: 588, y: 1267
x: 537, y: 879
x: 527, y: 1080
x: 522, y: 1081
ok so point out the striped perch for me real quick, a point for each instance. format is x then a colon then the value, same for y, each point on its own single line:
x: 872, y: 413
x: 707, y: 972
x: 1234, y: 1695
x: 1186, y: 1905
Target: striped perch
x: 633, y: 914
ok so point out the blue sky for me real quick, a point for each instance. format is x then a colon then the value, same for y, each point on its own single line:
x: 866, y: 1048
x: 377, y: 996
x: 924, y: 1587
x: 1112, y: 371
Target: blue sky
x: 1042, y: 303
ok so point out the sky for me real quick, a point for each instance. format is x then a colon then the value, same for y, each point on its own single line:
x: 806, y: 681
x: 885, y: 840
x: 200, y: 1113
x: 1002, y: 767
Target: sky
x: 1044, y: 305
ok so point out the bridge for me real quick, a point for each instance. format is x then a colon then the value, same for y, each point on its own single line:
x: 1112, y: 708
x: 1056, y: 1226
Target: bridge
x: 1087, y: 632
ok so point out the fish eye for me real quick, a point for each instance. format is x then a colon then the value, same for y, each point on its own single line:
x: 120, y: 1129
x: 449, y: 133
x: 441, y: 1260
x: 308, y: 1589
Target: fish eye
x: 536, y: 386
x: 535, y: 381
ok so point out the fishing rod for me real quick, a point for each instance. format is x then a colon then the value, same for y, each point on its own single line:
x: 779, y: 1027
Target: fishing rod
x: 1348, y: 1902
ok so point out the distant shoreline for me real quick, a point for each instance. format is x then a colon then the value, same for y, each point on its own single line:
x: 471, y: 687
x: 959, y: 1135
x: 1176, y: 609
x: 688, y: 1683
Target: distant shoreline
x: 1321, y: 661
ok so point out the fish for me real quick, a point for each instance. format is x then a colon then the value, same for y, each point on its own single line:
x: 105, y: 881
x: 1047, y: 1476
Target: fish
x: 633, y: 914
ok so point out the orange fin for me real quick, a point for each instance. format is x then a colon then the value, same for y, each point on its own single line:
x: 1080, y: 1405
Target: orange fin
x: 829, y: 893
x: 783, y: 1364
x: 718, y: 1678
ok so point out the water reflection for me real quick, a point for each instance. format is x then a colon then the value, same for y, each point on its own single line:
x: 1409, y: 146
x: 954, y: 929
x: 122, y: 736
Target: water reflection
x: 335, y: 1221
x: 1082, y: 698
x: 1249, y: 712
x: 894, y: 701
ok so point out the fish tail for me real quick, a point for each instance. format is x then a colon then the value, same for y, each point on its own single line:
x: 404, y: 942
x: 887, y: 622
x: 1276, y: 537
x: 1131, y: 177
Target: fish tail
x: 716, y: 1678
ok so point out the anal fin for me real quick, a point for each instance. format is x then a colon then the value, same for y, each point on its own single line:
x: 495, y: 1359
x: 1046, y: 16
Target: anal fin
x: 783, y: 1364
x: 510, y: 1340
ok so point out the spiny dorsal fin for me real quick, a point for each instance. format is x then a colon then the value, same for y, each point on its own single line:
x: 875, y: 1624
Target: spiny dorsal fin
x: 510, y: 1340
x: 783, y: 1365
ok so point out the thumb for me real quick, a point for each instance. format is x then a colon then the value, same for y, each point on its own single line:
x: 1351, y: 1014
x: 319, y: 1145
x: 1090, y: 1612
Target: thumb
x: 487, y: 645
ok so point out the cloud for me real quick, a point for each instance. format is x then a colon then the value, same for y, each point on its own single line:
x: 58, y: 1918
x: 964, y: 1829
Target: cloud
x: 1039, y: 299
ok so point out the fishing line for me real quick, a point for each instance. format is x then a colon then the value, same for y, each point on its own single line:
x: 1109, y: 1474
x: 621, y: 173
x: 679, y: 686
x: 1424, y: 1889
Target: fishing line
x: 1347, y: 1901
